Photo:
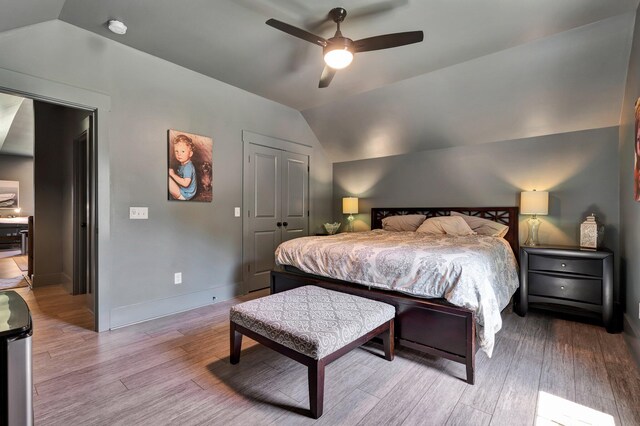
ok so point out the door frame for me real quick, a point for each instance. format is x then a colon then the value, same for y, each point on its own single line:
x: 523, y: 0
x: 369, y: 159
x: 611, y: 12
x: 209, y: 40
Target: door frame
x: 251, y: 138
x: 83, y: 213
x: 99, y: 105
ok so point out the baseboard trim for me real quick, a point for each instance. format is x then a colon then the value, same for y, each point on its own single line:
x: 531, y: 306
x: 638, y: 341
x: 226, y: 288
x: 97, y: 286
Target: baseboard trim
x: 145, y: 311
x: 632, y: 337
x: 48, y: 279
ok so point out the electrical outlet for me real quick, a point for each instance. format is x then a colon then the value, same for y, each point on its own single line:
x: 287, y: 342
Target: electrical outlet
x: 177, y: 278
x: 236, y: 211
x: 138, y: 212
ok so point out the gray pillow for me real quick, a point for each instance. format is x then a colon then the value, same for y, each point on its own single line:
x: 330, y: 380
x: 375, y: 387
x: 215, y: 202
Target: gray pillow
x: 407, y: 222
x: 484, y: 226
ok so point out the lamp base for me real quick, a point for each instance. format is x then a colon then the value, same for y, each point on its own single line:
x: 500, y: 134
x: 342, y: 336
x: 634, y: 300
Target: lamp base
x: 350, y: 219
x: 534, y: 225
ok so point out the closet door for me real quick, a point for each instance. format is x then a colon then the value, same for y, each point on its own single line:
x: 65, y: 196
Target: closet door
x: 276, y: 208
x: 295, y: 195
x: 263, y: 175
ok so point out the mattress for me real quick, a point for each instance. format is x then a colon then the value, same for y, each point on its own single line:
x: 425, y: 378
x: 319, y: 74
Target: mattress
x: 476, y: 272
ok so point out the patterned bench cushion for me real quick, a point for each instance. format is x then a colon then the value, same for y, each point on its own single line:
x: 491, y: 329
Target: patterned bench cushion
x: 312, y: 320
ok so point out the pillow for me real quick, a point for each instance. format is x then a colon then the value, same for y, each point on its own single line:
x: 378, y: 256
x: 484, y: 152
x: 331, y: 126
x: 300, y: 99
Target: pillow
x: 407, y: 222
x: 450, y: 225
x: 484, y: 226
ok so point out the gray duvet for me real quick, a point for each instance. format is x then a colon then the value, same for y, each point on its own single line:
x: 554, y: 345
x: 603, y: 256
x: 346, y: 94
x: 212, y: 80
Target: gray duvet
x: 476, y: 272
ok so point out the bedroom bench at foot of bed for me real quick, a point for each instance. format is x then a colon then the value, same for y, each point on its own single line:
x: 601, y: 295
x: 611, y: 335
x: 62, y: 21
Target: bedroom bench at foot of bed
x: 313, y: 326
x: 432, y: 326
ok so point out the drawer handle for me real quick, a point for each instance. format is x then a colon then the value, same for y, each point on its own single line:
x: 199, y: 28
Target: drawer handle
x: 564, y: 265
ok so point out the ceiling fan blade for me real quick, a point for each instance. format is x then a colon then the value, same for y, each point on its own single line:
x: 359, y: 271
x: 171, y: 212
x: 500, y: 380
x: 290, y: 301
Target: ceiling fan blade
x: 388, y: 40
x: 326, y: 77
x: 297, y: 32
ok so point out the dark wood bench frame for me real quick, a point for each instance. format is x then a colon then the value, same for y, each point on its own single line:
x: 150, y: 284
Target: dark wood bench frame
x: 315, y: 366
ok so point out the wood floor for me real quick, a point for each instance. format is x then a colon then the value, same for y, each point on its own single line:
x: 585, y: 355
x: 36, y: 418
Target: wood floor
x: 175, y: 370
x: 9, y: 268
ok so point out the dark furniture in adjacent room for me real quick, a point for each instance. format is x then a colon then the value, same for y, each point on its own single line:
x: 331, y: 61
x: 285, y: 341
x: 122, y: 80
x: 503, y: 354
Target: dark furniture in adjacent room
x: 567, y: 279
x: 433, y: 326
x: 10, y: 236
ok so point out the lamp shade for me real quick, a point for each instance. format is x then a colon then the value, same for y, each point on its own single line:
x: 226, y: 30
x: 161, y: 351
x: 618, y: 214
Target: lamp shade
x: 534, y: 202
x: 350, y: 205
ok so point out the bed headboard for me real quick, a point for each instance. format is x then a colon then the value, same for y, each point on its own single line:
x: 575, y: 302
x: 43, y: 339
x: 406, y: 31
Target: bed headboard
x: 505, y: 215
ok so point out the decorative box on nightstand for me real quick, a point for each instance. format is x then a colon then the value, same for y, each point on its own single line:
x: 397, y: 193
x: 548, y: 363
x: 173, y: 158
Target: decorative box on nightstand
x: 567, y: 279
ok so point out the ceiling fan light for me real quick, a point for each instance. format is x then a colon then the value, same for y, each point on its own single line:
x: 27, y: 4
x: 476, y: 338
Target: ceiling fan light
x: 338, y: 58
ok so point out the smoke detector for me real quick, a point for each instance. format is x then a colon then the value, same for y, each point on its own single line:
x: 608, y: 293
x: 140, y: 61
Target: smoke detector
x: 117, y: 27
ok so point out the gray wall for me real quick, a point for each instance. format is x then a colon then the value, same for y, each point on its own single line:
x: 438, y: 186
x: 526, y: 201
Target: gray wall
x: 579, y: 170
x: 48, y: 165
x: 148, y: 97
x: 13, y: 167
x: 629, y: 208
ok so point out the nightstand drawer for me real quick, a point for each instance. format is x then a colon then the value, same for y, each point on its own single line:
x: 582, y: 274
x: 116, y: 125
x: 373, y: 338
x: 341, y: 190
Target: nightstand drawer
x: 563, y: 264
x: 582, y: 290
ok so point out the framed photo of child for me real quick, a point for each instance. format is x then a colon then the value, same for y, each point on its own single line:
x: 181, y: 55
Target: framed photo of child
x: 636, y: 154
x: 190, y: 167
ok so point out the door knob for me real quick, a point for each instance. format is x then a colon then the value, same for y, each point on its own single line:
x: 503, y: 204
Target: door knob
x: 285, y: 224
x: 279, y: 224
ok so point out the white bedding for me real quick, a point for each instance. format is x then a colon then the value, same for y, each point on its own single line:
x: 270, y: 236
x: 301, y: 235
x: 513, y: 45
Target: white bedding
x: 475, y: 271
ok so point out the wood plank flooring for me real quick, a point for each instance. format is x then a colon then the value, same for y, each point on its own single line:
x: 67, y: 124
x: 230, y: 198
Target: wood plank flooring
x: 175, y: 370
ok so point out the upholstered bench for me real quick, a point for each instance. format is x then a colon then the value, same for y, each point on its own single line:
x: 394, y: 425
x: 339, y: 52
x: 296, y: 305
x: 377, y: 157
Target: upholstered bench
x: 313, y: 326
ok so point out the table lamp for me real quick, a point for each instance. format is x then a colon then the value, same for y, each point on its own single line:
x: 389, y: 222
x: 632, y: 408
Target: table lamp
x: 534, y: 203
x: 350, y: 207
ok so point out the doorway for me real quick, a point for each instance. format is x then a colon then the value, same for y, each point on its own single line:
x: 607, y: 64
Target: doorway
x: 56, y: 198
x: 276, y: 203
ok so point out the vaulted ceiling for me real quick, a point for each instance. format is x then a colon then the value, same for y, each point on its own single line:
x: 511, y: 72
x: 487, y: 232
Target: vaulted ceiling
x: 487, y: 71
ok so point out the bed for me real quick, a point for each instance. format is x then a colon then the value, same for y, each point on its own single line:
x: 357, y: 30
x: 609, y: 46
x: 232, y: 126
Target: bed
x: 433, y: 326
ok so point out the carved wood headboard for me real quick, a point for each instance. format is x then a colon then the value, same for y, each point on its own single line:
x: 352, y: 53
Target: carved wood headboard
x: 504, y: 215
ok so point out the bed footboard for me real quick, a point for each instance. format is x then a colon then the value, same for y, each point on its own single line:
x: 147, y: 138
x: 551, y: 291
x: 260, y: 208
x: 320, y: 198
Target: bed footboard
x: 430, y: 326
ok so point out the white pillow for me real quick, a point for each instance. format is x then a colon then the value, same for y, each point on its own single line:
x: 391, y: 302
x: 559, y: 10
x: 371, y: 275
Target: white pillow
x: 450, y: 225
x: 406, y: 222
x: 484, y: 226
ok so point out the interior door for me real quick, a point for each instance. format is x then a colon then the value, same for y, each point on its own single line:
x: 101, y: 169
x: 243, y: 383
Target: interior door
x: 263, y: 213
x: 276, y: 186
x: 295, y: 195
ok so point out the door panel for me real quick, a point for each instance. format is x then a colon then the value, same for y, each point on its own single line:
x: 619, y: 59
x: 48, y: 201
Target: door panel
x: 263, y: 214
x: 265, y: 244
x: 295, y: 195
x: 266, y: 185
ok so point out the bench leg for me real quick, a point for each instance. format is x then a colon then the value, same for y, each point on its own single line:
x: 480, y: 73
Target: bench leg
x: 316, y: 387
x: 235, y: 340
x: 388, y: 339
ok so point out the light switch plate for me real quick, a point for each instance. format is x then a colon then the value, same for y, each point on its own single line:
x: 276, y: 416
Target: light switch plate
x: 236, y: 211
x: 138, y: 212
x: 177, y: 278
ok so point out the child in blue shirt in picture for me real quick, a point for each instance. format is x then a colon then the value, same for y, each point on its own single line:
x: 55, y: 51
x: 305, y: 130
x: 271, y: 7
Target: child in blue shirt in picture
x: 183, y: 184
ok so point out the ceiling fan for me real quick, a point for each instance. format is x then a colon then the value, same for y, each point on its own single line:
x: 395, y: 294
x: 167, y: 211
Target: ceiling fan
x: 338, y: 50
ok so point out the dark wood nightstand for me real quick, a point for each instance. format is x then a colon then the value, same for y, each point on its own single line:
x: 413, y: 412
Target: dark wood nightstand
x: 567, y: 279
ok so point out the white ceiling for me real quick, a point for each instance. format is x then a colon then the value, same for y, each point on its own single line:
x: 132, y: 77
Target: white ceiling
x: 487, y: 70
x: 16, y: 126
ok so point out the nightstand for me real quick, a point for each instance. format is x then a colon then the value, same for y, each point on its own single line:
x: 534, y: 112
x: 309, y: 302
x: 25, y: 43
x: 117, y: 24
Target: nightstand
x: 567, y: 279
